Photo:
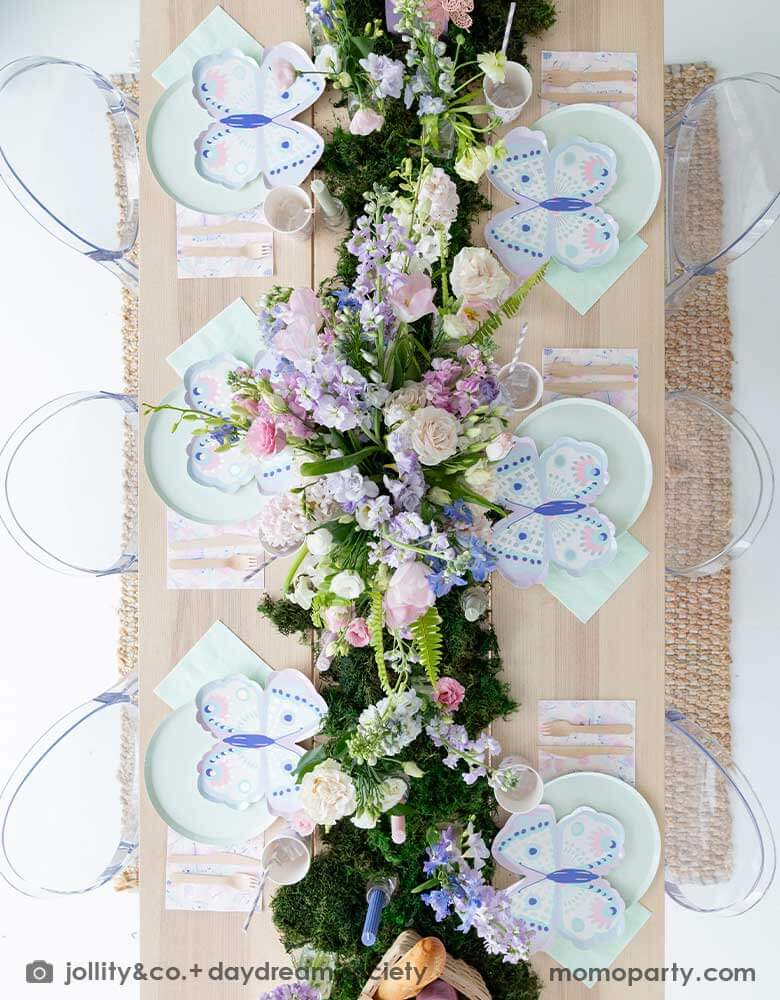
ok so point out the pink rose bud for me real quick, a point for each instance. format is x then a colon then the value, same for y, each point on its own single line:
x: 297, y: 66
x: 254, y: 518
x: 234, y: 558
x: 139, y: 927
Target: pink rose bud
x: 284, y: 74
x: 357, y: 633
x: 449, y: 693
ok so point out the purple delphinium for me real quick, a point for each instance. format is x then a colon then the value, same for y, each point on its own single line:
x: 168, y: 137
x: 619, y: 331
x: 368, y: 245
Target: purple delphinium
x: 454, y: 738
x: 387, y: 74
x: 292, y: 991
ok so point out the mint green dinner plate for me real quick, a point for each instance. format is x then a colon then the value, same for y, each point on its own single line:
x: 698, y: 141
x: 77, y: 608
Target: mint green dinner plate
x: 630, y: 466
x: 171, y: 776
x: 633, y: 199
x: 175, y: 123
x: 165, y: 459
x: 634, y: 875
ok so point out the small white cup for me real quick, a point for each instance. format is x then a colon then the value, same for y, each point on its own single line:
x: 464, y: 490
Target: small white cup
x: 529, y: 791
x: 508, y: 99
x: 288, y: 211
x: 522, y: 385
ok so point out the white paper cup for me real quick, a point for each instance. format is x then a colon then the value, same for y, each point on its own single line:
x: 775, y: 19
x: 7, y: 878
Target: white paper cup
x: 529, y: 791
x: 288, y: 211
x: 286, y: 859
x: 508, y: 99
x: 522, y: 385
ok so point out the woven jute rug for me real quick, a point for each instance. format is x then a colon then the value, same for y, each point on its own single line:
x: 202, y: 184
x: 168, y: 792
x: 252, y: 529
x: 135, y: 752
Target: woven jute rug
x: 698, y: 619
x: 127, y: 650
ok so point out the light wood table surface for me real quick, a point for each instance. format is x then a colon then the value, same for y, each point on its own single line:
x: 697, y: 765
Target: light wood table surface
x: 546, y: 652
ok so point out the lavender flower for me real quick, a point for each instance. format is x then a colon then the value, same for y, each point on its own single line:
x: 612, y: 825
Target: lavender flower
x: 292, y: 991
x: 387, y: 73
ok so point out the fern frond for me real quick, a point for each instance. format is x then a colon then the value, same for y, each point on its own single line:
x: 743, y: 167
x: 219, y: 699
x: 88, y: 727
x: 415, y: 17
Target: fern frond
x: 509, y: 309
x: 428, y: 642
x: 376, y: 626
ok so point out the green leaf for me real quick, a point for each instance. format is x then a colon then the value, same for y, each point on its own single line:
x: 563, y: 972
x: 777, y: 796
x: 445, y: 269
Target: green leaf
x: 339, y: 464
x: 508, y: 309
x: 428, y: 641
x: 310, y: 760
x: 376, y: 628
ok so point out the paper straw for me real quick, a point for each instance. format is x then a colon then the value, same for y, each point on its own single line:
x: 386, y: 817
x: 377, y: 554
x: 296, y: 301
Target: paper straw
x: 510, y: 21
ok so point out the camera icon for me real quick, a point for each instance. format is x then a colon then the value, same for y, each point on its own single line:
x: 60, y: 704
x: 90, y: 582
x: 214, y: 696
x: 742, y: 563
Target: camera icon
x: 39, y: 972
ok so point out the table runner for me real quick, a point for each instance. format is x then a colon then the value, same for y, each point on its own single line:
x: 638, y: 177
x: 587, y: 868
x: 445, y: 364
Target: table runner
x: 697, y: 611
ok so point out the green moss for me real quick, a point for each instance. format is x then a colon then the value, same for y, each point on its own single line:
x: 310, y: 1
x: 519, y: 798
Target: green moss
x: 287, y: 617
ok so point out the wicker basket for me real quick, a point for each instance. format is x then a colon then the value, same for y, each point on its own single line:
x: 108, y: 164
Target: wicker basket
x: 461, y: 977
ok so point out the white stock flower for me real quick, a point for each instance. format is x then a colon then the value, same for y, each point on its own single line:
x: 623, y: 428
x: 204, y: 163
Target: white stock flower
x: 328, y: 793
x: 476, y: 274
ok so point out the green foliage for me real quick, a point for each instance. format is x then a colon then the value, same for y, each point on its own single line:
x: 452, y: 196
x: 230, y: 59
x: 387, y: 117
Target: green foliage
x: 509, y: 309
x: 428, y: 642
x: 287, y: 617
x: 376, y: 629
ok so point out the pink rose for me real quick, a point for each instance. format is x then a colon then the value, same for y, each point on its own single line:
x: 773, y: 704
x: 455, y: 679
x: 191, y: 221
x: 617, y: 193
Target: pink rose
x: 409, y: 594
x: 302, y: 823
x: 303, y: 316
x: 264, y: 438
x: 365, y: 121
x: 338, y: 616
x: 412, y: 296
x: 449, y: 693
x: 284, y: 74
x: 357, y: 633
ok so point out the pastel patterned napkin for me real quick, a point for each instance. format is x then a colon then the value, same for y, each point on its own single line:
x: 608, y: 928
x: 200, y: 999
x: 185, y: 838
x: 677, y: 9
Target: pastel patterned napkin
x: 200, y: 546
x: 585, y: 358
x: 213, y: 898
x: 588, y: 713
x: 623, y: 65
x: 215, y: 32
x: 254, y: 231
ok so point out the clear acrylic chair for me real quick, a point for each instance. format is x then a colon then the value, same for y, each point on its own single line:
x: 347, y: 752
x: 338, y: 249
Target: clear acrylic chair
x: 67, y: 146
x: 722, y: 154
x: 69, y: 811
x: 68, y: 484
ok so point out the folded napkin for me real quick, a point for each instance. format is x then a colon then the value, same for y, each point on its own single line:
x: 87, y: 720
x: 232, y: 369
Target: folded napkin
x: 583, y: 289
x: 218, y: 653
x: 215, y: 32
x: 571, y: 957
x: 233, y: 331
x: 583, y: 596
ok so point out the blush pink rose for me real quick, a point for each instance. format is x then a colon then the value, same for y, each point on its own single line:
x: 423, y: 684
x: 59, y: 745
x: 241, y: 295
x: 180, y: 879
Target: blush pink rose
x: 412, y: 296
x: 284, y: 74
x: 264, y: 438
x: 357, y: 633
x: 409, y: 594
x: 365, y: 121
x: 449, y: 693
x: 338, y: 616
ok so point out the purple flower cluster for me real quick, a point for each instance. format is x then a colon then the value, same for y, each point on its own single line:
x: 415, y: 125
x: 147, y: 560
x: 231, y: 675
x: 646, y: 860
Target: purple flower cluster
x: 332, y: 392
x: 292, y: 991
x: 461, y: 385
x: 374, y: 245
x: 464, y: 893
x: 461, y: 748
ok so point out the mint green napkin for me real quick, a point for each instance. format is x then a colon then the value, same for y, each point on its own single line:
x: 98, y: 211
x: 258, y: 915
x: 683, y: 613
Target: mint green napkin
x: 215, y: 32
x: 233, y: 331
x: 218, y: 653
x: 584, y: 595
x: 571, y: 957
x: 583, y: 289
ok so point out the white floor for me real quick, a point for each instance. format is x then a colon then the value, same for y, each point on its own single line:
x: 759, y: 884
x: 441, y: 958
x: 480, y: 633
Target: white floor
x: 60, y: 318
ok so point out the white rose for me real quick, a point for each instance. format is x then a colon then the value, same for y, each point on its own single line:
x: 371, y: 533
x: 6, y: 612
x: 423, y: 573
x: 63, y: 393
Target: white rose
x: 319, y: 542
x: 433, y: 434
x: 476, y: 274
x: 403, y: 401
x: 348, y: 585
x: 474, y: 601
x: 482, y: 478
x: 328, y: 793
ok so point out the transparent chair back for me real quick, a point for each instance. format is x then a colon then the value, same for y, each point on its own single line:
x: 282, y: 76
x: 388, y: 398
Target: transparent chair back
x: 68, y: 484
x: 67, y: 147
x: 722, y: 156
x: 719, y: 484
x: 69, y: 812
x: 719, y: 847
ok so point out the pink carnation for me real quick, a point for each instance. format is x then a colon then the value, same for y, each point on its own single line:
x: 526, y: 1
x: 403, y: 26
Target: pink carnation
x: 264, y: 438
x: 357, y: 633
x: 449, y: 693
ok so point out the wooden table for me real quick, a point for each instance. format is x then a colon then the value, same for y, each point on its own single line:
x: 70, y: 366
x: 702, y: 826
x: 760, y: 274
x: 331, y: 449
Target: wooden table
x: 547, y: 653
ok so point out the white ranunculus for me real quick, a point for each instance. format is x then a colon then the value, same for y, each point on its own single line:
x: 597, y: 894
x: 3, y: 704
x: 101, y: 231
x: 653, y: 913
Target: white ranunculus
x: 433, y: 434
x: 319, y: 542
x: 403, y: 402
x: 328, y: 793
x: 474, y: 601
x: 476, y: 274
x: 348, y: 585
